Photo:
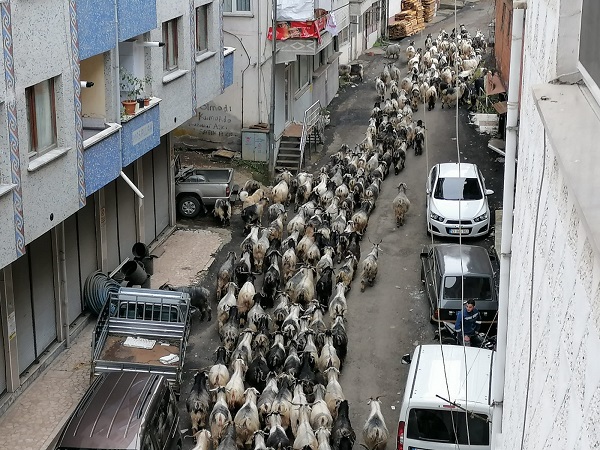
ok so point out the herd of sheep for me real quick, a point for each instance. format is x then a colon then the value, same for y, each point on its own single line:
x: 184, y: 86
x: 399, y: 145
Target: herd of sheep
x: 282, y: 309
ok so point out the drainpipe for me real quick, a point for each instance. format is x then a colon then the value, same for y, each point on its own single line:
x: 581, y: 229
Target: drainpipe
x: 273, y: 67
x: 117, y: 70
x: 512, y: 120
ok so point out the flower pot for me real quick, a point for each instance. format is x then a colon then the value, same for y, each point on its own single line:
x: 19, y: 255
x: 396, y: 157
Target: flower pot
x: 140, y: 102
x: 129, y: 106
x: 146, y: 101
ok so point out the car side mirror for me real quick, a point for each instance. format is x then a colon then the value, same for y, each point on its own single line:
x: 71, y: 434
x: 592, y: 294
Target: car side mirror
x: 488, y: 192
x: 406, y: 359
x: 427, y: 191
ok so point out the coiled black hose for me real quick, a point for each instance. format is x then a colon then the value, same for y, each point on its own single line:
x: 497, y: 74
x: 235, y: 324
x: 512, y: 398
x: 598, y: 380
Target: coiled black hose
x: 97, y: 289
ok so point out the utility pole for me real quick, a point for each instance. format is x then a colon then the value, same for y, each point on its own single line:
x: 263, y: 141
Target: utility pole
x: 272, y: 115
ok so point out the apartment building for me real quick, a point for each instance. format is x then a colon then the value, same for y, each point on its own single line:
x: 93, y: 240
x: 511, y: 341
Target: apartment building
x: 306, y: 69
x: 552, y: 375
x: 72, y: 159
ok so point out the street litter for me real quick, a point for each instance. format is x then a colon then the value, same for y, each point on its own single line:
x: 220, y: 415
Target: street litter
x: 139, y: 343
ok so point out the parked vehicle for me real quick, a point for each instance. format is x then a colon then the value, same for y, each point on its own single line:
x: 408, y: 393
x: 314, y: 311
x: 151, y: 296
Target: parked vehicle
x: 447, y: 402
x: 142, y: 330
x: 197, y: 190
x: 453, y: 274
x: 457, y: 201
x: 124, y: 410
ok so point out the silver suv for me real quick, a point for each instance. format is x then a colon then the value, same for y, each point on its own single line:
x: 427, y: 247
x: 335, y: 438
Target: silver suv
x: 453, y: 274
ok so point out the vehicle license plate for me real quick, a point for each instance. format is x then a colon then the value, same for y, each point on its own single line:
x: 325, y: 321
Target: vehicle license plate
x: 459, y: 231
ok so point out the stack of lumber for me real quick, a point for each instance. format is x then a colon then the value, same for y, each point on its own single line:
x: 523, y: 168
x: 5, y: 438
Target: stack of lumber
x: 428, y: 9
x: 410, y: 21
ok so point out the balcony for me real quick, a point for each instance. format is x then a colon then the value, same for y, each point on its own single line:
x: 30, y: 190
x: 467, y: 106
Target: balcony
x: 96, y: 27
x: 306, y: 37
x: 140, y: 132
x: 102, y: 157
x: 135, y: 17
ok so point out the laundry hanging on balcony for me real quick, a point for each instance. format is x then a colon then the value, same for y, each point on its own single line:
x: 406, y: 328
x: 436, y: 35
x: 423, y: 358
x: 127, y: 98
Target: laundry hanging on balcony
x: 293, y: 29
x: 295, y: 10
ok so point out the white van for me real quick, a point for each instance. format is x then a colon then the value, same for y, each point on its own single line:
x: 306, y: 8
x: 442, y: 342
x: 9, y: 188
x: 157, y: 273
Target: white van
x: 440, y: 393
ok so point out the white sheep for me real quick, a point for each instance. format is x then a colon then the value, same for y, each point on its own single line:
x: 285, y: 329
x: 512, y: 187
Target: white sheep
x: 401, y: 204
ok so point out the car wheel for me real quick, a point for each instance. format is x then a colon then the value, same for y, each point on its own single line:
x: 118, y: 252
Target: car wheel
x: 189, y: 206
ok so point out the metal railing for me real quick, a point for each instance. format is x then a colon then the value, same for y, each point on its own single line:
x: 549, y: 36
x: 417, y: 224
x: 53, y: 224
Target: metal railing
x: 312, y: 116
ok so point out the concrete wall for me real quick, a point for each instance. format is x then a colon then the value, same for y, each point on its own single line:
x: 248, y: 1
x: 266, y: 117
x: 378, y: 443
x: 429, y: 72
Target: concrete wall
x: 41, y: 25
x: 555, y: 276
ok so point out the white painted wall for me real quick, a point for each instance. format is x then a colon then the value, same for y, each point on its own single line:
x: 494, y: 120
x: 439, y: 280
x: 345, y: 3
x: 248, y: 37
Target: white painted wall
x: 555, y: 275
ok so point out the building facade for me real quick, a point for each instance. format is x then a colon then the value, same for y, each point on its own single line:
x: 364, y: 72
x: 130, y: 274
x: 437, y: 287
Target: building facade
x: 502, y: 38
x: 69, y: 151
x: 306, y: 69
x: 552, y: 389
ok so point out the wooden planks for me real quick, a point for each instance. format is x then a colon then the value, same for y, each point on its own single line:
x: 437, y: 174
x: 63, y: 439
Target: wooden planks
x: 412, y: 19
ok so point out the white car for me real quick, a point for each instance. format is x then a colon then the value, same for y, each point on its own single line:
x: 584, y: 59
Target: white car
x: 457, y: 201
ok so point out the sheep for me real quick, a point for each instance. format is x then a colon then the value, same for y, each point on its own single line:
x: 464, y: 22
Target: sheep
x: 392, y: 51
x: 197, y: 404
x: 222, y: 211
x: 375, y: 432
x: 281, y: 193
x: 431, y: 97
x: 380, y: 88
x: 401, y: 204
x: 451, y: 95
x: 369, y: 268
x: 198, y: 298
x: 410, y: 51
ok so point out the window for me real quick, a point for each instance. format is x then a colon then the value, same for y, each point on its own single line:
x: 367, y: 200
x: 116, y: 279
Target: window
x: 170, y: 40
x: 202, y: 28
x: 442, y: 426
x: 458, y: 189
x: 457, y: 288
x: 344, y: 35
x: 303, y: 71
x: 589, y: 63
x: 236, y: 6
x: 317, y: 60
x: 41, y: 111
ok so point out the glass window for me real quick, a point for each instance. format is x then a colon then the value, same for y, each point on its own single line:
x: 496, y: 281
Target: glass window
x: 458, y: 188
x: 234, y: 6
x: 344, y: 35
x: 303, y: 71
x: 457, y: 288
x: 588, y: 52
x: 202, y: 28
x: 41, y: 111
x: 170, y: 52
x: 448, y: 427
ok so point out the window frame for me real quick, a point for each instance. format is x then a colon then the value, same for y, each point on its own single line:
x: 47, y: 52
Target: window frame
x: 299, y: 85
x: 205, y: 35
x: 32, y: 121
x: 592, y: 84
x: 237, y: 12
x: 172, y: 26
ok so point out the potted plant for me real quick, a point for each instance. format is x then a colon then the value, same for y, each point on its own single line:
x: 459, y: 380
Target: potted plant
x: 133, y: 86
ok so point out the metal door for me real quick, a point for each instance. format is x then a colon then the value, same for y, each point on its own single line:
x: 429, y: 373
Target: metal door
x: 87, y: 245
x: 23, y: 312
x: 74, y: 303
x: 149, y: 199
x: 126, y: 215
x: 160, y: 157
x: 287, y: 94
x: 42, y: 290
x: 2, y: 361
x: 112, y: 225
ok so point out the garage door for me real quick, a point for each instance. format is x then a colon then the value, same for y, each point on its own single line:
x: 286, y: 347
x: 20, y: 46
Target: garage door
x: 126, y: 214
x: 112, y: 227
x: 74, y: 303
x: 149, y: 200
x: 86, y: 239
x: 2, y: 362
x: 23, y: 312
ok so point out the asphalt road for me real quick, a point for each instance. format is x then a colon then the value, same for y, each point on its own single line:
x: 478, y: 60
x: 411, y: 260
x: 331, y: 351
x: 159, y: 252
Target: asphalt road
x: 390, y: 318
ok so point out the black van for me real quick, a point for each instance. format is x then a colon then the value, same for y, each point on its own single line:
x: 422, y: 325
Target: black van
x: 124, y: 410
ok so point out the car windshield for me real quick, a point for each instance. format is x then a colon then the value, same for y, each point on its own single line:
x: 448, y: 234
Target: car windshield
x: 458, y: 189
x: 463, y: 288
x: 447, y: 426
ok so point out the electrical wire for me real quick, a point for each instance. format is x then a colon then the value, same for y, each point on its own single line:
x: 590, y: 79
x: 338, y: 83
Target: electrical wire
x: 532, y: 273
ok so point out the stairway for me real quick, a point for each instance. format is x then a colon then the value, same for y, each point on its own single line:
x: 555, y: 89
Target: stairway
x: 288, y: 156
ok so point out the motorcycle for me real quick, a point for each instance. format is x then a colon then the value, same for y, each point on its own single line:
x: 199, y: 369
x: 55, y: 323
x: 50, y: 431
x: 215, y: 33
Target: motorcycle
x: 447, y: 334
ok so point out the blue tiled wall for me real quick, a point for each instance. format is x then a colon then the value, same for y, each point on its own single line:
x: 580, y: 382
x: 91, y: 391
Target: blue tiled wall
x: 96, y: 27
x: 228, y: 70
x: 136, y: 17
x: 102, y: 163
x: 140, y: 135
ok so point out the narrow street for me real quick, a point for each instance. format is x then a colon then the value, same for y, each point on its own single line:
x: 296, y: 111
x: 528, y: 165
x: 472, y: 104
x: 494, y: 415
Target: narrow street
x: 390, y: 318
